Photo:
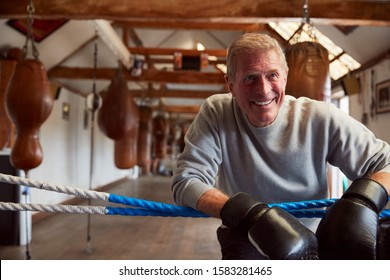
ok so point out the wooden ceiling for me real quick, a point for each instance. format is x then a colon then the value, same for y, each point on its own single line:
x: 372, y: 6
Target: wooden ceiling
x: 243, y: 15
x: 346, y: 12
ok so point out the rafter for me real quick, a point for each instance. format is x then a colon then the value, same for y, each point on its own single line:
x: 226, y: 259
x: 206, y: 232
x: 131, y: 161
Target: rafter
x: 363, y: 12
x: 192, y: 94
x: 148, y: 75
x: 171, y: 51
x: 187, y: 25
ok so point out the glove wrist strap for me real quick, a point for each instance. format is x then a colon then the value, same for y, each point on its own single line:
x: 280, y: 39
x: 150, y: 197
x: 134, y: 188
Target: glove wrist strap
x: 369, y: 191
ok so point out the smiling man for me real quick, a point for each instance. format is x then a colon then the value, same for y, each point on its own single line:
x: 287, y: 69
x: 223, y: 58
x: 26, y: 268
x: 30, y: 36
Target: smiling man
x: 255, y: 146
x: 257, y: 82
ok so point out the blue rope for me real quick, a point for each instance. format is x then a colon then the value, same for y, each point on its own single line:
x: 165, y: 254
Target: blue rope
x: 308, y: 204
x: 144, y: 212
x: 151, y: 208
x: 140, y: 207
x: 150, y: 205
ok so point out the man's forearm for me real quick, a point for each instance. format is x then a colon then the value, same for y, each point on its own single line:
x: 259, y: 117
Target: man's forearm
x: 211, y: 202
x: 383, y: 178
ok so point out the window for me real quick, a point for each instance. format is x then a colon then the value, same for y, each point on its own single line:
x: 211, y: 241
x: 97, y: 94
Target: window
x: 340, y: 62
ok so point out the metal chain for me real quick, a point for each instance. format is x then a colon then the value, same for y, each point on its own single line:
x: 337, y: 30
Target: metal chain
x: 306, y: 17
x: 95, y: 106
x: 29, y: 35
x: 306, y: 21
x: 306, y: 25
x: 93, y: 100
x: 95, y: 57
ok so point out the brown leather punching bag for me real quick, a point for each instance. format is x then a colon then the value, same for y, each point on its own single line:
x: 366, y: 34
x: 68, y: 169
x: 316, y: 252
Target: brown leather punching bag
x: 118, y: 114
x: 160, y: 135
x: 7, y: 68
x: 145, y: 139
x: 125, y: 152
x: 29, y: 102
x: 308, y: 73
x: 118, y: 119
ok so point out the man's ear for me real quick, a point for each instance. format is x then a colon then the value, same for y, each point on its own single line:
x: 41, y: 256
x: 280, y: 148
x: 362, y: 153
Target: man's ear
x: 285, y: 78
x: 229, y: 84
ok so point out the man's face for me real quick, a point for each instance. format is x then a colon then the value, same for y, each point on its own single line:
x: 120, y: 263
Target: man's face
x: 259, y: 86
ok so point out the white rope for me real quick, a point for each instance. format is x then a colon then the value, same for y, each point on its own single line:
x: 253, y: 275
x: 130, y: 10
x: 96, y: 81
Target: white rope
x: 53, y: 187
x: 74, y: 209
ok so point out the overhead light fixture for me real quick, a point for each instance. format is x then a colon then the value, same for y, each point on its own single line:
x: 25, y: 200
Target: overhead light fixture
x: 109, y: 36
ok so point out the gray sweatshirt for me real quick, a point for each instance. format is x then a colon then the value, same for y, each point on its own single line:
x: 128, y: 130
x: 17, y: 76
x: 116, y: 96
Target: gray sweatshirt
x: 285, y: 161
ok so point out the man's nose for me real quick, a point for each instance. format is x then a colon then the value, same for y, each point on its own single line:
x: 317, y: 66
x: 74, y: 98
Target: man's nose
x: 263, y: 86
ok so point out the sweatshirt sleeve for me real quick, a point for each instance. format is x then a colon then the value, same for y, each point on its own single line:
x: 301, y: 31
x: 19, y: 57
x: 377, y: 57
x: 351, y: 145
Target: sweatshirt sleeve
x: 354, y: 148
x: 197, y: 166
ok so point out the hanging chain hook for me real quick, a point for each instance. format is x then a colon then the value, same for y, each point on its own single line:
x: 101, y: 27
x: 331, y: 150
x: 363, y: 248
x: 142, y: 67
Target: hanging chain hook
x: 96, y: 98
x: 95, y: 105
x: 93, y: 100
x: 306, y: 21
x: 306, y: 17
x: 29, y: 35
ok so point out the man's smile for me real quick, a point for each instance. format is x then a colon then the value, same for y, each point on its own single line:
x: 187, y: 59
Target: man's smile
x: 263, y: 103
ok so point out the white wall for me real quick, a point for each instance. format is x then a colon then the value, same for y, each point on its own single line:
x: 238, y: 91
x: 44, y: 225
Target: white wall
x: 66, y: 146
x: 379, y: 124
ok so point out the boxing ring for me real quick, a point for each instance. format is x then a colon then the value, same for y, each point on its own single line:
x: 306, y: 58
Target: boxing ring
x: 141, y: 207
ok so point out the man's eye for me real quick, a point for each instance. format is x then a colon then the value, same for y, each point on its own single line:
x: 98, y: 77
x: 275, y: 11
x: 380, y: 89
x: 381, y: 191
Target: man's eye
x: 273, y: 76
x: 249, y: 78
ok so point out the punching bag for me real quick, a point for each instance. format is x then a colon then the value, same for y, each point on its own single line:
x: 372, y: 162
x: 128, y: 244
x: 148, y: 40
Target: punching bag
x: 144, y: 153
x: 118, y: 114
x: 7, y: 68
x: 29, y: 102
x: 125, y: 152
x: 160, y: 135
x: 118, y: 119
x: 308, y: 74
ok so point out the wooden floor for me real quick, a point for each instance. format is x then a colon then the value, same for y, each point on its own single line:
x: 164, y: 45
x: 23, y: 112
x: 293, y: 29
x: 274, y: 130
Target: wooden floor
x: 63, y: 236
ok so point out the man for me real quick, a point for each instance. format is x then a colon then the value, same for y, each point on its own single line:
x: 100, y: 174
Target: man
x: 256, y: 145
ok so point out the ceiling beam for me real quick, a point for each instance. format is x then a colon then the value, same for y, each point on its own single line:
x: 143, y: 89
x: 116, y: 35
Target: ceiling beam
x: 148, y: 75
x: 192, y: 94
x: 187, y: 25
x: 219, y: 60
x: 362, y: 12
x: 188, y: 109
x: 171, y: 51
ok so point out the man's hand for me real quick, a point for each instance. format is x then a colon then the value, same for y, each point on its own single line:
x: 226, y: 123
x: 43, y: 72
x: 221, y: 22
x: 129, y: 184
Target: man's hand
x: 274, y: 232
x: 349, y: 229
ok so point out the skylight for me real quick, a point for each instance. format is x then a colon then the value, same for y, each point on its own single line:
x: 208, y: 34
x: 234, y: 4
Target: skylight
x: 340, y: 62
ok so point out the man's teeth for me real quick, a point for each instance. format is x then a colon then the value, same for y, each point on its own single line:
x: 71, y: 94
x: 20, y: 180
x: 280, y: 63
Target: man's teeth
x: 264, y: 103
